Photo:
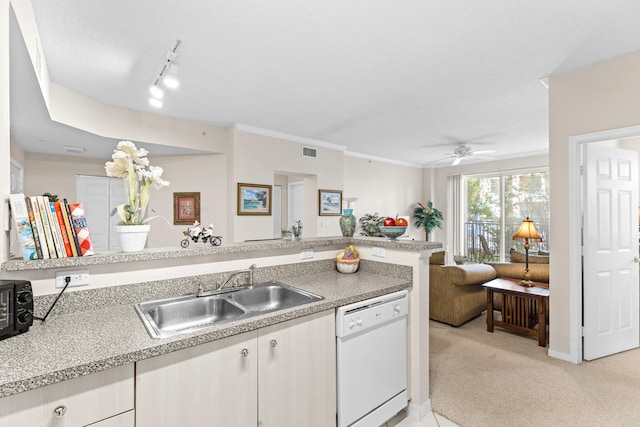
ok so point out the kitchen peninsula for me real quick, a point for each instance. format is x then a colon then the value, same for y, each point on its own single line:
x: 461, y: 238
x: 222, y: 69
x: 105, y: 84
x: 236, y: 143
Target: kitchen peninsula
x: 95, y: 329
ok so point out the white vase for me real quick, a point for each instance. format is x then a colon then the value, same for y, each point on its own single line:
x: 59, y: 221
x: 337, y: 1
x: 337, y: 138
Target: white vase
x: 133, y: 237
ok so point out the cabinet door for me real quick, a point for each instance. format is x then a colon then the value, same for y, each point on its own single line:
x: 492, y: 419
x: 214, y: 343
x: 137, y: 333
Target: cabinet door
x: 297, y: 372
x: 212, y: 384
x: 127, y: 419
x: 81, y: 401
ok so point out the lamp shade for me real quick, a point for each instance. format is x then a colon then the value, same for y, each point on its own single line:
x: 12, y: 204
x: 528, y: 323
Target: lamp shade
x: 527, y: 230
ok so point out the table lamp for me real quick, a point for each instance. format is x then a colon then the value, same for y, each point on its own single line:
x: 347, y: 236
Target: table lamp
x: 526, y: 232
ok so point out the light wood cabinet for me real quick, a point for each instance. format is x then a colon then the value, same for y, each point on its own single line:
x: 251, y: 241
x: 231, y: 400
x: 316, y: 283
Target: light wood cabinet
x: 212, y: 384
x: 281, y: 375
x: 297, y: 372
x: 79, y: 402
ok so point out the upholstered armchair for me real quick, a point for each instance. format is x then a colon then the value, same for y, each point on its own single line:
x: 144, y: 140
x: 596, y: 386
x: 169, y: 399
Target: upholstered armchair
x: 456, y: 294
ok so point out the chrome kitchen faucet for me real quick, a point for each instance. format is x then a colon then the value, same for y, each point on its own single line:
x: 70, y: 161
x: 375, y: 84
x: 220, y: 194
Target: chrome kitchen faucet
x: 233, y: 276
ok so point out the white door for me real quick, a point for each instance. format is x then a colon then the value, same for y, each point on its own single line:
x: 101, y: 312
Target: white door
x: 116, y: 198
x: 610, y: 250
x: 276, y: 207
x: 17, y: 177
x: 296, y: 202
x: 99, y: 195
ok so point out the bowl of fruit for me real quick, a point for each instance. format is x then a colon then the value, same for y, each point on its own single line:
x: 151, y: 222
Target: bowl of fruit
x: 348, y: 260
x: 393, y: 228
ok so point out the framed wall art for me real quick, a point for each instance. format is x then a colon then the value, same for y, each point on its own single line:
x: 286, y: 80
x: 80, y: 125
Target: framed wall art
x: 186, y: 208
x: 329, y: 202
x: 254, y: 199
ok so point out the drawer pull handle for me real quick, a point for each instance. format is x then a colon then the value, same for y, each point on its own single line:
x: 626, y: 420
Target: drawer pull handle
x: 244, y: 352
x: 274, y: 343
x: 60, y: 411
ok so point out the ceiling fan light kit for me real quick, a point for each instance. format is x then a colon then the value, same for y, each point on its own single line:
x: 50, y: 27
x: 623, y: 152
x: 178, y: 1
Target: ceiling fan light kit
x: 168, y: 77
x: 461, y: 152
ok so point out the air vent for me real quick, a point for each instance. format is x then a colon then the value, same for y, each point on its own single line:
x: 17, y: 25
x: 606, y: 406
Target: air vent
x: 309, y: 152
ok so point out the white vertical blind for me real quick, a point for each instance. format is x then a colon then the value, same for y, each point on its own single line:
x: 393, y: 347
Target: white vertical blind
x: 454, y: 220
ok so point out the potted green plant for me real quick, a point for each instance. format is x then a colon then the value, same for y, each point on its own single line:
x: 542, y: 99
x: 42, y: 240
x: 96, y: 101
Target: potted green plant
x: 370, y: 225
x: 427, y: 217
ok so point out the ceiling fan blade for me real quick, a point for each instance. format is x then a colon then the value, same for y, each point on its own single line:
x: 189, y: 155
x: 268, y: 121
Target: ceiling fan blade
x: 484, y: 152
x: 439, y: 160
x: 456, y: 161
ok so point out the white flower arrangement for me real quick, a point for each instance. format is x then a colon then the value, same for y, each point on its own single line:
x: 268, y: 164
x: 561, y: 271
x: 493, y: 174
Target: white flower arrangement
x: 132, y: 165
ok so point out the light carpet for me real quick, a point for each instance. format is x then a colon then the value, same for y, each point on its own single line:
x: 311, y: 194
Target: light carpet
x: 478, y: 378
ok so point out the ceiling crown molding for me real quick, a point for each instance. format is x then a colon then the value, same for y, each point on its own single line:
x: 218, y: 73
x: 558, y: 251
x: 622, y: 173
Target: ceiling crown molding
x: 294, y: 138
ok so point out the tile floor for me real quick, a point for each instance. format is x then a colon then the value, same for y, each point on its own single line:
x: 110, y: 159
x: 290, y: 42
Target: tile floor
x: 431, y: 420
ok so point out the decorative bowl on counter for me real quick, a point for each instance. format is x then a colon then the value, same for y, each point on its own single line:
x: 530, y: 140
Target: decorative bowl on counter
x: 348, y: 266
x: 392, y: 231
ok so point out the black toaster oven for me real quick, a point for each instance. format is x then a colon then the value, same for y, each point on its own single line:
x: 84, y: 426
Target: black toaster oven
x: 16, y: 307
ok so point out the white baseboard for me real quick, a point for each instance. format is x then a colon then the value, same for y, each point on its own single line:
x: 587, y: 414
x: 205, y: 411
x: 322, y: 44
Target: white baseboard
x: 419, y: 412
x: 562, y: 356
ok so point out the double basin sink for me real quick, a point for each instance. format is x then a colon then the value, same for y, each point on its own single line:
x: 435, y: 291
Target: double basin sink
x: 172, y: 316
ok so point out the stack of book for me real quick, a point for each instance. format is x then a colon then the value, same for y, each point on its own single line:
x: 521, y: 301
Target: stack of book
x: 50, y: 229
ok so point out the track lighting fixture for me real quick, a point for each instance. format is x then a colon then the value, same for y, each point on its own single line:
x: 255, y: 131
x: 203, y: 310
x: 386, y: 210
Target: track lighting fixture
x: 168, y: 78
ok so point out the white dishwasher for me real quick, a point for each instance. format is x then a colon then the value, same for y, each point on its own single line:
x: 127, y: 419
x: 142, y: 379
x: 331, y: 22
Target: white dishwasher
x: 372, y: 360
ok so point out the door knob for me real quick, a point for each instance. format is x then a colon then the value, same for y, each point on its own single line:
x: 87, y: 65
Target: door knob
x: 274, y: 343
x: 635, y: 259
x: 60, y: 411
x: 244, y: 352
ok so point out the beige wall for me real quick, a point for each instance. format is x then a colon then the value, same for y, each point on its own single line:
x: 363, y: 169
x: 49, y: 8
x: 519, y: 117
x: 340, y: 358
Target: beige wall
x: 385, y: 188
x: 198, y: 173
x: 599, y: 97
x: 46, y: 173
x: 258, y: 159
x: 205, y: 174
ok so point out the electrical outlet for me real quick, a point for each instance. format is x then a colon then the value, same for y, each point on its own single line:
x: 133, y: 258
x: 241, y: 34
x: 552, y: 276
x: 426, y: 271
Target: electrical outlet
x: 78, y: 278
x: 378, y: 251
x: 306, y: 254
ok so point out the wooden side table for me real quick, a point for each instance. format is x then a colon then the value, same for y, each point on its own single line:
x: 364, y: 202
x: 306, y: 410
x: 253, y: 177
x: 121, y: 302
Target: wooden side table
x: 522, y: 307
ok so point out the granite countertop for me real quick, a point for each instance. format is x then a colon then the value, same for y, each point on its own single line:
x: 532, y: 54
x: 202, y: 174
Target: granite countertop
x: 70, y: 345
x: 155, y: 254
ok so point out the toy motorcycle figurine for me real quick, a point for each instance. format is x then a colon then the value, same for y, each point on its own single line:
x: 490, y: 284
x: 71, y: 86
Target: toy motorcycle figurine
x: 196, y: 234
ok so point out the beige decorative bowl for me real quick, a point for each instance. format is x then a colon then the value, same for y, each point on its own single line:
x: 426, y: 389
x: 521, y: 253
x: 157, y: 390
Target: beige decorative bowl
x: 348, y: 267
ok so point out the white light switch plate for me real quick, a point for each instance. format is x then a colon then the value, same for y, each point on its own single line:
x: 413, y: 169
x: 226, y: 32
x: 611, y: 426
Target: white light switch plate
x: 306, y: 254
x: 378, y: 251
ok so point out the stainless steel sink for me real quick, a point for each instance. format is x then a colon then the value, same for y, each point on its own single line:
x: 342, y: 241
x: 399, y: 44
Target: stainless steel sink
x: 168, y: 317
x: 270, y: 297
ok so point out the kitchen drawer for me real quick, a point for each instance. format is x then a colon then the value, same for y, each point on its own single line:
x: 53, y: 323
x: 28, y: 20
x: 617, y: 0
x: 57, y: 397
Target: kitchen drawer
x: 86, y: 400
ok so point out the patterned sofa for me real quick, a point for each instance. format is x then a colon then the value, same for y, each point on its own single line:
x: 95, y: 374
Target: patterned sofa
x: 456, y: 294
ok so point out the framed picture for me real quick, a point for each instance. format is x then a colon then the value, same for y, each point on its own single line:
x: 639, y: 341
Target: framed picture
x: 186, y: 208
x: 329, y: 202
x: 254, y: 199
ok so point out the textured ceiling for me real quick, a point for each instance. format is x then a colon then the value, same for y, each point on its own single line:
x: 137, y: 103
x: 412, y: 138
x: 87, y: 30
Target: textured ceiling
x: 404, y: 80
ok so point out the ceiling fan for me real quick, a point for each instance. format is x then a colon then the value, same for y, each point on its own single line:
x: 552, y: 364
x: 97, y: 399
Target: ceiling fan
x: 463, y: 151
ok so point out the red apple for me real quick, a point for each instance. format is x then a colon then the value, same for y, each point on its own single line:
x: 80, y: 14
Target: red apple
x: 389, y: 222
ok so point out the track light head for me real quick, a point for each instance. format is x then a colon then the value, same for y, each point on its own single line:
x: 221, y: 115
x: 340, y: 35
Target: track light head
x: 155, y: 102
x: 170, y: 79
x: 156, y: 91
